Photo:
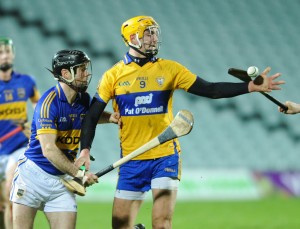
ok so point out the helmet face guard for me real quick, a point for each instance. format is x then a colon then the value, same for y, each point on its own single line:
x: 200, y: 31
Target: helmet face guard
x: 79, y: 65
x: 6, y: 46
x: 135, y: 28
x: 152, y: 33
x: 79, y: 72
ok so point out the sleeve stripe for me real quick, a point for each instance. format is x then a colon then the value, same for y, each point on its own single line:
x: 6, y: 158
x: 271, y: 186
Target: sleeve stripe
x: 46, y: 105
x: 58, y: 89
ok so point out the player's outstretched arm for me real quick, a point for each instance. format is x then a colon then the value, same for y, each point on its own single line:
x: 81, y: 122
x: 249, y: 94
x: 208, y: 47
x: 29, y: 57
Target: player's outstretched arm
x: 293, y: 108
x: 263, y: 83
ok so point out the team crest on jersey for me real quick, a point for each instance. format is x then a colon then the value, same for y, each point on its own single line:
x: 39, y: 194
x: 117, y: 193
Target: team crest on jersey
x: 20, y: 192
x: 8, y: 95
x: 73, y: 116
x: 62, y: 119
x: 82, y: 116
x: 21, y: 92
x: 160, y: 80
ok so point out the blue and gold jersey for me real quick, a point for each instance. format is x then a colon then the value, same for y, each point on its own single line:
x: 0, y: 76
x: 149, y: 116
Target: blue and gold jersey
x: 54, y: 115
x: 14, y: 95
x: 143, y: 96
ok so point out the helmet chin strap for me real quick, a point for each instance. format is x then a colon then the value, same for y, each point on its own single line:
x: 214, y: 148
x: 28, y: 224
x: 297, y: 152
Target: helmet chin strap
x: 79, y: 88
x: 147, y: 55
x: 5, y: 67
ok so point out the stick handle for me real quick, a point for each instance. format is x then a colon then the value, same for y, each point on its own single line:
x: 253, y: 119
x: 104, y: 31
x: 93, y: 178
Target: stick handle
x: 10, y: 134
x: 105, y: 170
x: 180, y: 126
x: 149, y: 145
x: 284, y: 107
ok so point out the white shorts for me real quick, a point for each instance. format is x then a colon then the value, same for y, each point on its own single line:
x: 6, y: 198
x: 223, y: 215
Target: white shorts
x: 35, y: 188
x: 165, y: 183
x: 6, y: 161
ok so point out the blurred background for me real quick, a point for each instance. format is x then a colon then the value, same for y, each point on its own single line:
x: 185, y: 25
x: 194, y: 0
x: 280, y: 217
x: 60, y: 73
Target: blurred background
x: 236, y: 144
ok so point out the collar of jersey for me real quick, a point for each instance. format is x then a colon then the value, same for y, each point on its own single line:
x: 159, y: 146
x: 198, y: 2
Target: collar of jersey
x: 127, y: 59
x: 60, y: 92
x: 14, y: 75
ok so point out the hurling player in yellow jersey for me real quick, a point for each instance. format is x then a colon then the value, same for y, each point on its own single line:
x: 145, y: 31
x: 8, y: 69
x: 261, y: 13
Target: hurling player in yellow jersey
x: 141, y: 87
x: 15, y: 91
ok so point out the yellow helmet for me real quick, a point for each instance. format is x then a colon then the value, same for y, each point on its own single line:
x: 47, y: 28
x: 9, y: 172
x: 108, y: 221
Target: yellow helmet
x: 137, y: 26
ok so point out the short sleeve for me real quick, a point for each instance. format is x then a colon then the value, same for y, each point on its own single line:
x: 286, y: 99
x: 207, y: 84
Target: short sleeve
x: 105, y: 88
x: 184, y: 78
x: 46, y: 115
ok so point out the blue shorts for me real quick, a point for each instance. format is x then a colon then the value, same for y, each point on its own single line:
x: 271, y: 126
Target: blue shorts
x: 136, y: 175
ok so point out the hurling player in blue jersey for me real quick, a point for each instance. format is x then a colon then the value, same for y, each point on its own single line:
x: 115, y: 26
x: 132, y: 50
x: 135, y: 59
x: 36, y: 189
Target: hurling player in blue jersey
x: 53, y: 146
x: 15, y: 90
x: 141, y: 87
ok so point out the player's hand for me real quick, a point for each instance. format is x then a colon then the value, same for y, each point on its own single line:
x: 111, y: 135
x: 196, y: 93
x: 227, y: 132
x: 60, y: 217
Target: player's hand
x: 263, y: 83
x: 293, y: 108
x: 27, y: 129
x: 89, y: 179
x: 84, y: 159
x: 116, y: 118
x: 26, y: 126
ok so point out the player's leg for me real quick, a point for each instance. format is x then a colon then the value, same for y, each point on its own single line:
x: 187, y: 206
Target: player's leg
x: 9, y: 174
x: 61, y: 207
x: 23, y: 216
x: 1, y: 205
x: 3, y: 163
x: 25, y: 196
x: 124, y: 213
x: 163, y: 208
x: 164, y: 187
x: 8, y: 204
x: 32, y: 186
x: 66, y: 220
x: 134, y: 176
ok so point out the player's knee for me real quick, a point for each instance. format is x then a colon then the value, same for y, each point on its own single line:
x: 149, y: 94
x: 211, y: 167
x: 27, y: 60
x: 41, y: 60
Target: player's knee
x: 120, y: 221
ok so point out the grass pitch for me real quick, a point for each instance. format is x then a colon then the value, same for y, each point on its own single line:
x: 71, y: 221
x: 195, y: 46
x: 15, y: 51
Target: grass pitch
x: 276, y: 213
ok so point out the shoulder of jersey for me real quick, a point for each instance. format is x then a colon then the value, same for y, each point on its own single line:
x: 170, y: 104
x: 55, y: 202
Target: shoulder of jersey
x: 116, y: 65
x: 24, y: 76
x: 47, y: 94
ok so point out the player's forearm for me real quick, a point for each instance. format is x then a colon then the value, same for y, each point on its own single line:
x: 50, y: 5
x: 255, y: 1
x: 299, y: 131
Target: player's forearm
x: 104, y: 118
x: 89, y: 124
x: 217, y: 90
x: 60, y: 161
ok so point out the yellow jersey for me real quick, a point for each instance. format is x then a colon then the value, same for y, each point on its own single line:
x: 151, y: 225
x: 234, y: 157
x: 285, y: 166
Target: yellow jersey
x: 143, y: 97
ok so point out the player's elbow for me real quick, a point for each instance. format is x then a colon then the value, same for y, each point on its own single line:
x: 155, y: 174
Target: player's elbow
x: 48, y: 150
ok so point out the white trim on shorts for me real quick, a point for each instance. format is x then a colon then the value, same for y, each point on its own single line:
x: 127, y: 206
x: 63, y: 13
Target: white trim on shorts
x: 166, y: 183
